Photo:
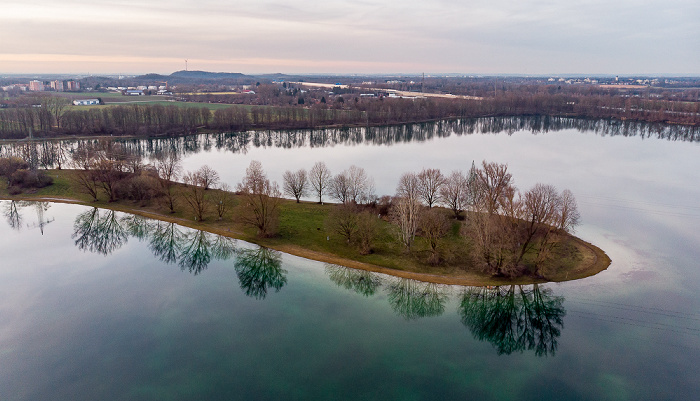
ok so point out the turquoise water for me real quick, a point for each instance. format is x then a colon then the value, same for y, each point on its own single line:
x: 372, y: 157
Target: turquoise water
x: 102, y: 305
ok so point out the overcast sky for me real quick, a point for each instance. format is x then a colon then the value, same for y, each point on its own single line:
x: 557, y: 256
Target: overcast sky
x: 344, y: 36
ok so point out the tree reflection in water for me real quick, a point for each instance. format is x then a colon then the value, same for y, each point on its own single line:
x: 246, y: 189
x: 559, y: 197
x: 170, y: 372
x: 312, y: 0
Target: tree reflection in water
x: 242, y: 142
x: 104, y: 231
x: 514, y: 318
x: 137, y: 226
x: 361, y: 281
x: 165, y: 241
x: 99, y: 231
x: 415, y: 299
x: 12, y: 214
x: 259, y: 270
x: 195, y: 252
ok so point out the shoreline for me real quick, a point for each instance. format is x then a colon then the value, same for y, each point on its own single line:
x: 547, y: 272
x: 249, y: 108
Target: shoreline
x: 595, y: 260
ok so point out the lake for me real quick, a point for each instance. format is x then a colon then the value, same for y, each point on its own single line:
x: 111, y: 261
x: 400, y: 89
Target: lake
x: 102, y: 305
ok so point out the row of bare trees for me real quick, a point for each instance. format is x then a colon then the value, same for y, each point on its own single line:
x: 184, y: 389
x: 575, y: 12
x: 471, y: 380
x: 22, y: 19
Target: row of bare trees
x: 51, y: 116
x: 352, y: 185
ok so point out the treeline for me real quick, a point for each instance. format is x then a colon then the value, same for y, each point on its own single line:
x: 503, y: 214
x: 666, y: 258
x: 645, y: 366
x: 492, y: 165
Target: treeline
x: 147, y: 120
x: 142, y: 120
x: 351, y: 110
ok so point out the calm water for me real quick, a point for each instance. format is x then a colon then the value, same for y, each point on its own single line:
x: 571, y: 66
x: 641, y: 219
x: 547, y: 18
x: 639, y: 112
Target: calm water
x: 101, y: 305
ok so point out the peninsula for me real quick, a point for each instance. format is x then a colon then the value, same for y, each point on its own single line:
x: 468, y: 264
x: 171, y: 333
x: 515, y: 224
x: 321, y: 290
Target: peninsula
x: 329, y: 233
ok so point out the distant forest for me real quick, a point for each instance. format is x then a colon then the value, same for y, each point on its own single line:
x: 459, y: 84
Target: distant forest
x: 283, y: 105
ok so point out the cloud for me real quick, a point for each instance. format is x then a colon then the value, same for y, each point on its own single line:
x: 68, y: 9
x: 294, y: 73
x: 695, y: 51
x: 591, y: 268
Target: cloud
x: 356, y: 36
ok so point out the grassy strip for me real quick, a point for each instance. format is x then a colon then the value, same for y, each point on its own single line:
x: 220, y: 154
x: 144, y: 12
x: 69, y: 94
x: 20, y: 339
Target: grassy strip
x: 303, y: 232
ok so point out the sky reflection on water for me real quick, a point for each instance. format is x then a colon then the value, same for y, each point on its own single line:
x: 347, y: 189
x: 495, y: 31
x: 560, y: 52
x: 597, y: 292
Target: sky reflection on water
x: 130, y: 319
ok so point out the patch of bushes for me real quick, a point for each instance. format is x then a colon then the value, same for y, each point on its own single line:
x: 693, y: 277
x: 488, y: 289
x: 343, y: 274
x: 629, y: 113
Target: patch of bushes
x: 8, y: 165
x: 141, y: 188
x: 26, y: 179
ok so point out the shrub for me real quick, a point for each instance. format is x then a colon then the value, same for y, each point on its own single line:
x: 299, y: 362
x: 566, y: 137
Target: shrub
x: 142, y: 188
x: 8, y: 165
x: 138, y: 187
x: 30, y: 179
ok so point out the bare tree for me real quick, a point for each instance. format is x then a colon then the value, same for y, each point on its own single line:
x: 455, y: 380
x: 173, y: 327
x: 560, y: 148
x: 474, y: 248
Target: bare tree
x: 261, y: 200
x: 405, y: 213
x: 342, y: 220
x: 454, y: 192
x: 295, y: 184
x: 434, y: 226
x: 493, y: 227
x: 494, y: 242
x: 361, y: 185
x: 356, y: 227
x: 568, y: 213
x: 493, y: 181
x: 209, y: 176
x: 55, y: 105
x: 406, y: 209
x: 541, y: 206
x: 320, y: 177
x: 565, y: 219
x: 255, y: 178
x: 223, y: 200
x: 84, y: 159
x: 409, y: 187
x: 194, y: 194
x: 339, y: 188
x: 169, y: 168
x: 367, y: 227
x: 429, y: 183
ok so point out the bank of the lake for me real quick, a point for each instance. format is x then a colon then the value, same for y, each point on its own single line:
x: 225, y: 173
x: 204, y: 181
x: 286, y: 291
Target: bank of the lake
x: 303, y: 232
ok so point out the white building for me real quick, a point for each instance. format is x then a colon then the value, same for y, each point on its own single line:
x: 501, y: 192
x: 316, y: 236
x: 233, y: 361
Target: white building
x: 86, y: 102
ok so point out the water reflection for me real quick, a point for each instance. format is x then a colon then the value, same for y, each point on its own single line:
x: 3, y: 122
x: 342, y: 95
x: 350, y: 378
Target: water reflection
x: 195, y: 252
x: 165, y: 241
x: 362, y: 282
x: 14, y: 217
x: 99, y: 231
x: 242, y: 142
x: 260, y: 270
x: 414, y: 299
x: 137, y: 226
x: 514, y: 318
x: 197, y: 248
x: 410, y: 299
x: 105, y: 231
